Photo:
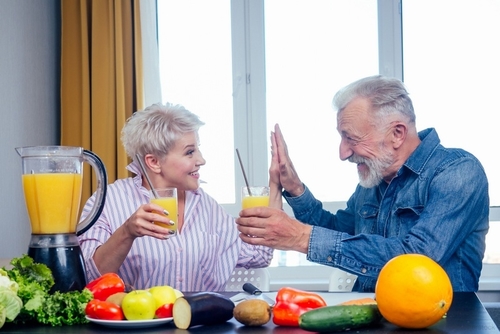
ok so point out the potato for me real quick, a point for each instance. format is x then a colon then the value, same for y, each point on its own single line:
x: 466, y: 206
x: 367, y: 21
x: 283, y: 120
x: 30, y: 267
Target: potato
x: 252, y: 312
x: 116, y: 298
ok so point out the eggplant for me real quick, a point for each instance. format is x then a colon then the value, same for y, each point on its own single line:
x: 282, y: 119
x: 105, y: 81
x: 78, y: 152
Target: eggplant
x: 202, y: 308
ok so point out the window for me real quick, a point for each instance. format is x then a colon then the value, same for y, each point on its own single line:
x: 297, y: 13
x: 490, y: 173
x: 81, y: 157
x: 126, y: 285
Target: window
x: 196, y: 71
x: 449, y: 69
x: 308, y: 58
x: 251, y: 63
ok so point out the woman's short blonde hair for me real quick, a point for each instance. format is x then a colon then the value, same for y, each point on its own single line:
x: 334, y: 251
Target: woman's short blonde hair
x: 155, y: 129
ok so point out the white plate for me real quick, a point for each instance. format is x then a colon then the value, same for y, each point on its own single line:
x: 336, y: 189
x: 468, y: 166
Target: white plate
x: 130, y: 323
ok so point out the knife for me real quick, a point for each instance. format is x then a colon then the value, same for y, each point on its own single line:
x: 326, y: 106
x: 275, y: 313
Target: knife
x: 255, y: 293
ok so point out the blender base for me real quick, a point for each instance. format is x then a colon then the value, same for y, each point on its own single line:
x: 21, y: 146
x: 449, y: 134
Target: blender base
x: 66, y: 263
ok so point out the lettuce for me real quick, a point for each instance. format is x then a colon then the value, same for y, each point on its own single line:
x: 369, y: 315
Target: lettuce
x: 2, y: 315
x: 5, y: 281
x: 66, y: 308
x: 34, y: 281
x: 11, y: 303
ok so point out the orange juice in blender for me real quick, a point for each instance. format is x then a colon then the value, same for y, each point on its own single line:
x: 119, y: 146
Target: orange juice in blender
x: 53, y: 201
x: 52, y: 182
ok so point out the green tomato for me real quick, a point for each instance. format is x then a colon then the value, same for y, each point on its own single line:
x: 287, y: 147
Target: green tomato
x: 139, y: 305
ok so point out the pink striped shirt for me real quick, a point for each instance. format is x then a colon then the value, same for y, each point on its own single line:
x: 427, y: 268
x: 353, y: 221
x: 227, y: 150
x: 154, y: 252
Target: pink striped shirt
x: 199, y: 258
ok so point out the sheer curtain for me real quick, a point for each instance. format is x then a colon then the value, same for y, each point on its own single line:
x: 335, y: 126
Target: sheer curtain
x: 104, y: 56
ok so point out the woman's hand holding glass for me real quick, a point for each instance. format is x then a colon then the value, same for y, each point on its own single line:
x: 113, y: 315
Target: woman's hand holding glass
x: 142, y: 222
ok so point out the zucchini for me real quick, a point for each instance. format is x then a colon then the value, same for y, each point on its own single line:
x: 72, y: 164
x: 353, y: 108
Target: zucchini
x: 339, y: 317
x: 202, y: 308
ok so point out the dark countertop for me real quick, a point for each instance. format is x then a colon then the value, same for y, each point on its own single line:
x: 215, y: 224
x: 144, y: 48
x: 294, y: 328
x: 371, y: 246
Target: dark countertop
x: 466, y: 315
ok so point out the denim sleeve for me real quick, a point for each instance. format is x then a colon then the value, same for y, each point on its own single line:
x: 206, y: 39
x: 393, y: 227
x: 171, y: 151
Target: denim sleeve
x: 307, y: 209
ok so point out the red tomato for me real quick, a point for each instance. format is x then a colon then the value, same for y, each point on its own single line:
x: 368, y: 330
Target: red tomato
x: 164, y: 311
x: 90, y: 309
x: 98, y: 309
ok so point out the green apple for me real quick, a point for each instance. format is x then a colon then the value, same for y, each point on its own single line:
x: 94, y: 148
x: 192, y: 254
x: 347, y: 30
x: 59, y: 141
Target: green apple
x: 163, y: 294
x: 139, y: 305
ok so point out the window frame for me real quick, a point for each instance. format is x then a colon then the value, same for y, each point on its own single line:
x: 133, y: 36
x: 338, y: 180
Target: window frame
x: 250, y: 118
x: 251, y: 131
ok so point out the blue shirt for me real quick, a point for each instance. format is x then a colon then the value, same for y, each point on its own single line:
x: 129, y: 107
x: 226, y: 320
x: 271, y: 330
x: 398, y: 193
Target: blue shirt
x: 436, y: 205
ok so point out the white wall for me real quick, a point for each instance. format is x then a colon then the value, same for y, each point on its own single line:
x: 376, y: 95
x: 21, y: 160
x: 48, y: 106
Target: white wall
x: 29, y: 104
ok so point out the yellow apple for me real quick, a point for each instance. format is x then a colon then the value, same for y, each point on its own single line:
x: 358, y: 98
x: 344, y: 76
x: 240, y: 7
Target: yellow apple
x: 163, y: 294
x: 178, y: 293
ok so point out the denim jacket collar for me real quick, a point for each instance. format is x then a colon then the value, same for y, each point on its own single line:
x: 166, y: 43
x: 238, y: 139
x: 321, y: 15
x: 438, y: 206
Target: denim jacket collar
x: 419, y: 158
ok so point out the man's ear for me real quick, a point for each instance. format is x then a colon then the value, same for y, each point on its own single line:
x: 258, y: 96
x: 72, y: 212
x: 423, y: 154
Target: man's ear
x: 399, y: 133
x: 152, y: 162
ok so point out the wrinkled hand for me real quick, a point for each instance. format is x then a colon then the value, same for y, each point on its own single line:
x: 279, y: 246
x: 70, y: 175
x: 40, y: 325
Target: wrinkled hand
x: 274, y: 169
x: 273, y: 228
x: 275, y: 188
x: 140, y: 223
x: 282, y: 171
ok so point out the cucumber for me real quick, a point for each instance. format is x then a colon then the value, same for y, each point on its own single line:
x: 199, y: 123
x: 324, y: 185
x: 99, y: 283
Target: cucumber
x: 339, y: 317
x: 203, y: 308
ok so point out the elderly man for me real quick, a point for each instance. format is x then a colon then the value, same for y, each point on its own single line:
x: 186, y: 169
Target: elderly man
x: 414, y: 195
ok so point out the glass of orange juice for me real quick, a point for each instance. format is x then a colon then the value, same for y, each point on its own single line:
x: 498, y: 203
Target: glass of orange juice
x: 167, y: 199
x: 258, y: 196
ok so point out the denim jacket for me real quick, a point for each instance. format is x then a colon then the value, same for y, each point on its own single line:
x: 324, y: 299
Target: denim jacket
x: 436, y: 205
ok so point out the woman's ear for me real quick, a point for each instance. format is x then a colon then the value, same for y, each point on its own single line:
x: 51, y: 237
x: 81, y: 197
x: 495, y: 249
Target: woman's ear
x: 152, y: 162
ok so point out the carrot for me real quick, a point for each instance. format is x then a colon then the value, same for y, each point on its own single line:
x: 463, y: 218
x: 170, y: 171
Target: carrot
x: 360, y: 301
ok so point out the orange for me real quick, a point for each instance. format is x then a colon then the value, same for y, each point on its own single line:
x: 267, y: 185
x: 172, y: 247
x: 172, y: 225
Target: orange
x: 413, y: 291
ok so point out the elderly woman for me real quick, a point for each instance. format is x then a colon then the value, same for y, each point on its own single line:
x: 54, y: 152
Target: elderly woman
x: 206, y: 248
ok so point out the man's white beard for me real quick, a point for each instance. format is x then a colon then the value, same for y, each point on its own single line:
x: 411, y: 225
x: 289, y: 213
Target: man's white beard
x: 376, y: 169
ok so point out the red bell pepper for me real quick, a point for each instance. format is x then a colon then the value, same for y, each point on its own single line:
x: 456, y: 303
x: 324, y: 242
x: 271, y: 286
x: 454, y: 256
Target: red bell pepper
x: 106, y: 285
x: 98, y: 309
x: 291, y: 303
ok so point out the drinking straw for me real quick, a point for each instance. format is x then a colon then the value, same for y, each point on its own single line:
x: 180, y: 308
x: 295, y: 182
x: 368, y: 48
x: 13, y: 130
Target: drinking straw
x: 155, y: 194
x: 243, y: 170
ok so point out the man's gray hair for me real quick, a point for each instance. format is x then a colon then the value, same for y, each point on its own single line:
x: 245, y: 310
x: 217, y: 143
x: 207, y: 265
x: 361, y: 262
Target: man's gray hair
x: 388, y: 96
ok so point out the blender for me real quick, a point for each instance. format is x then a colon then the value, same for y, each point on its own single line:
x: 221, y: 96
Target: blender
x: 52, y: 183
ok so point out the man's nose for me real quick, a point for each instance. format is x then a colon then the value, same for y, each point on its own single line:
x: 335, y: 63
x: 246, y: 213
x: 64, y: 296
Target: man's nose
x: 345, y: 150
